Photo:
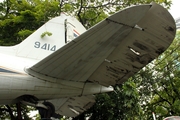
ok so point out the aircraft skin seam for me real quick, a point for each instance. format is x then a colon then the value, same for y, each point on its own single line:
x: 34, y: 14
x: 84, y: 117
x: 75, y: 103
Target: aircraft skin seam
x: 136, y: 26
x: 83, y: 89
x: 109, y: 20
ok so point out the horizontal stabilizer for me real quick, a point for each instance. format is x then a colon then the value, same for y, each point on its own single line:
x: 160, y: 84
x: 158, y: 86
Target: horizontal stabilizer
x: 114, y: 50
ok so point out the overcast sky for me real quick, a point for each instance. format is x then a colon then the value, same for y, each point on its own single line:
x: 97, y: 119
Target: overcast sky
x: 175, y: 8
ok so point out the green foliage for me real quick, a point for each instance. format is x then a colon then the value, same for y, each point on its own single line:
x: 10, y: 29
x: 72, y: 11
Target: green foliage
x: 46, y: 33
x: 169, y: 74
x: 117, y: 105
x: 24, y: 33
x: 24, y: 17
x: 158, y: 83
x: 10, y: 112
x: 29, y: 15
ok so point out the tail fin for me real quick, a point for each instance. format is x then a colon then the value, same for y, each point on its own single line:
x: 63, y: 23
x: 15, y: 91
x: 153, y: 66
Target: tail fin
x: 51, y: 36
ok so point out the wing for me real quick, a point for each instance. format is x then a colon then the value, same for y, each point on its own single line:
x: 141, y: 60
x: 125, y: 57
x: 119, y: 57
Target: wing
x: 113, y: 50
x: 73, y: 106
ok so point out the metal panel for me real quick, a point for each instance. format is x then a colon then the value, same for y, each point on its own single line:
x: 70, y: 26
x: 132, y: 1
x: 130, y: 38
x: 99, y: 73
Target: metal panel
x: 73, y: 106
x: 113, y: 50
x: 139, y: 48
x: 80, y: 58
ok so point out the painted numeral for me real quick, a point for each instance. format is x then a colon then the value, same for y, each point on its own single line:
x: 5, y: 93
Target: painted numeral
x: 45, y: 46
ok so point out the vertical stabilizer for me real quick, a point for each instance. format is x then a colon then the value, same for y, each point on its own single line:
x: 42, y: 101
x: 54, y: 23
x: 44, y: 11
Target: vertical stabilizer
x: 48, y: 38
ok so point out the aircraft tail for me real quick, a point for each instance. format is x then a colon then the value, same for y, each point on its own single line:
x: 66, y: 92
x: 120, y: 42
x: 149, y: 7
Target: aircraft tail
x: 47, y: 39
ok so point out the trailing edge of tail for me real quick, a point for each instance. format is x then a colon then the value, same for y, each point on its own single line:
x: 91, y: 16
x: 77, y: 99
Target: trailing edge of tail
x: 48, y: 38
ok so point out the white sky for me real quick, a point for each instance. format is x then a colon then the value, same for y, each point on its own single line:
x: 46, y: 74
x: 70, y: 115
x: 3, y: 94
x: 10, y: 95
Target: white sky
x: 175, y: 9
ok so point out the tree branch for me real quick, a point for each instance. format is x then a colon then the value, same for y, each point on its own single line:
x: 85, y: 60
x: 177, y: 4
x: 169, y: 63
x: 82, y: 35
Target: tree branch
x: 79, y: 12
x: 7, y: 8
x: 60, y: 6
x: 10, y: 112
x: 163, y: 98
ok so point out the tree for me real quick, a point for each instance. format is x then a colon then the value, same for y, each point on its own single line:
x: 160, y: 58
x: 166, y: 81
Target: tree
x: 166, y: 99
x: 20, y: 18
x: 159, y: 84
x: 12, y: 111
x: 118, y: 105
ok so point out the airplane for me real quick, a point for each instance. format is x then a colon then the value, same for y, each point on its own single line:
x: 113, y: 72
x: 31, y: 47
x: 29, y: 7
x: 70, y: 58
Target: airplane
x: 61, y: 66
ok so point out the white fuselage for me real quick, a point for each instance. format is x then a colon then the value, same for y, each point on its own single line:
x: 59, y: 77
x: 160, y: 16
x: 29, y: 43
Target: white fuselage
x: 15, y: 82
